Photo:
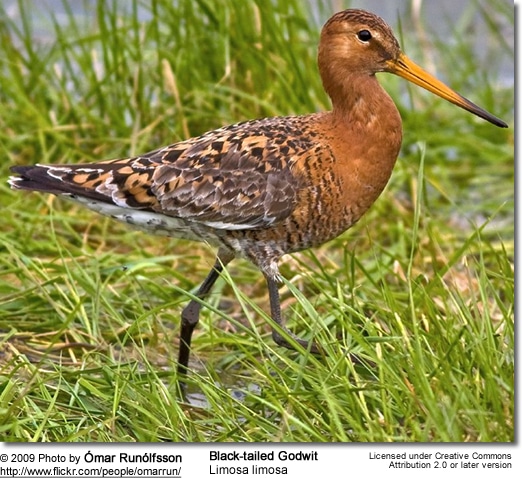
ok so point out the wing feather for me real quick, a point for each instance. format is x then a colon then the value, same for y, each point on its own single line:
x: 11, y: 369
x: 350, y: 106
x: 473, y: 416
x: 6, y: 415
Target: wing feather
x: 237, y: 177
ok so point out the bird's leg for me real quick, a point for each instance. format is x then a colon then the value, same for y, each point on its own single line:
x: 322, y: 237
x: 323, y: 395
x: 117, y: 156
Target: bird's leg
x: 190, y: 314
x: 275, y: 310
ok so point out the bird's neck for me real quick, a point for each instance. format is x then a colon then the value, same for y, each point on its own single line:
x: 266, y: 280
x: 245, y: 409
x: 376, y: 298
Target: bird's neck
x: 368, y: 132
x: 363, y: 111
x: 360, y: 102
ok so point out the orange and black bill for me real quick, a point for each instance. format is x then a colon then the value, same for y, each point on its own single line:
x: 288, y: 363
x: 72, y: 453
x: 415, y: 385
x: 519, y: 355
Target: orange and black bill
x: 407, y: 69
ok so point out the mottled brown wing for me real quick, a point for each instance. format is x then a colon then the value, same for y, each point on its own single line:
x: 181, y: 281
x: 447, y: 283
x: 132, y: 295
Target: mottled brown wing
x: 237, y: 177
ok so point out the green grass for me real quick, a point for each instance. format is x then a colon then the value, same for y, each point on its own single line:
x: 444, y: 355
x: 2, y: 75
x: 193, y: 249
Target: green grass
x: 423, y: 286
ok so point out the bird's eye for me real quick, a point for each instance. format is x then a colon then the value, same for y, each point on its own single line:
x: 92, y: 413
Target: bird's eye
x: 364, y: 35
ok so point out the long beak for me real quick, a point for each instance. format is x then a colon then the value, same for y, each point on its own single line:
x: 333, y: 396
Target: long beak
x: 406, y: 68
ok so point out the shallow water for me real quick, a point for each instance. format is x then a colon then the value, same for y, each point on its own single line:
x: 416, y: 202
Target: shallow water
x: 438, y: 20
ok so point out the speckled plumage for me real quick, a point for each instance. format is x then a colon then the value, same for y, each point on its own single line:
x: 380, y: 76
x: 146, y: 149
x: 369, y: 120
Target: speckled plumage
x: 263, y: 188
x: 250, y: 188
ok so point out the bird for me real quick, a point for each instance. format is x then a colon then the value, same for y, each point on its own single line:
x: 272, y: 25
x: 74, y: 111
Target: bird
x: 267, y: 187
